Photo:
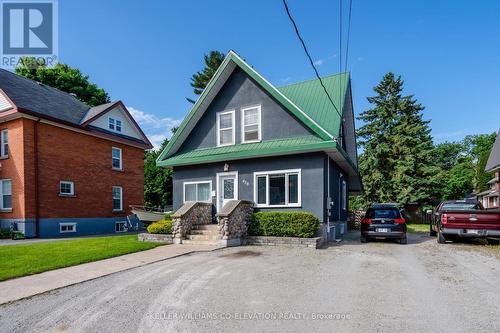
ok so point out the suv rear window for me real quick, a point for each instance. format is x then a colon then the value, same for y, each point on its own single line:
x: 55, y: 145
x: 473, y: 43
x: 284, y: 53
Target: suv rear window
x: 383, y: 213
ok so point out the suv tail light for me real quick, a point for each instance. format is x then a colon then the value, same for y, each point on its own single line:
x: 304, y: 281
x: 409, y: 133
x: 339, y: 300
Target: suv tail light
x: 400, y: 221
x: 444, y: 219
x: 367, y: 221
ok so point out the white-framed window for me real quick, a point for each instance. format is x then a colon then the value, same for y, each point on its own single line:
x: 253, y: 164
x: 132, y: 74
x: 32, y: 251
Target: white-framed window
x: 117, y: 198
x: 116, y: 158
x: 280, y: 188
x: 251, y: 124
x: 6, y: 194
x: 114, y: 124
x: 226, y: 128
x: 198, y: 191
x: 67, y: 227
x: 66, y: 188
x: 344, y: 195
x: 120, y: 226
x: 4, y: 148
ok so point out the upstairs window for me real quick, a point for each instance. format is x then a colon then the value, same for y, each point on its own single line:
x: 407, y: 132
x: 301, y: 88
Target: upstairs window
x: 250, y: 118
x: 116, y: 157
x: 117, y: 198
x: 225, y: 128
x: 114, y: 124
x: 4, y: 138
x: 5, y: 194
x: 66, y: 188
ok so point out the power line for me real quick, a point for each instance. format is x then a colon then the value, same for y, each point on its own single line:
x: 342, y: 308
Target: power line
x: 309, y: 56
x: 348, y: 34
x: 340, y: 36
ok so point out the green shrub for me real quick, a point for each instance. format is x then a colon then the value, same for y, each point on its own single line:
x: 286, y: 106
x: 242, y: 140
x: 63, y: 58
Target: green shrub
x: 284, y: 224
x: 5, y: 233
x: 168, y: 216
x: 160, y: 227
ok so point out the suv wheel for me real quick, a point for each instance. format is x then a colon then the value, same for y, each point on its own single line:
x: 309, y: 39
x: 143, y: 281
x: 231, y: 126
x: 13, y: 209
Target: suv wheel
x: 363, y: 239
x: 440, y: 238
x: 403, y: 240
x: 432, y: 233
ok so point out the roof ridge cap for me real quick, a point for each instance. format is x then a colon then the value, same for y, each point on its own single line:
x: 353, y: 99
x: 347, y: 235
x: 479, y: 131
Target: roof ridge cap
x: 316, y: 79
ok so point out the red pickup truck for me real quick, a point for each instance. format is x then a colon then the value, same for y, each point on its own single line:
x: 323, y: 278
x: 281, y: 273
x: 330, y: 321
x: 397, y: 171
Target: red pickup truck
x: 465, y: 218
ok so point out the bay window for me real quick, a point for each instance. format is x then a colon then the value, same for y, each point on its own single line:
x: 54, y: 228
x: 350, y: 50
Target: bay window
x: 280, y: 188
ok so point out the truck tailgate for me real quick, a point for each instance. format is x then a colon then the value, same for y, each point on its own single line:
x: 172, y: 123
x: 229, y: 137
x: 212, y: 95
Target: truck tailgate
x: 473, y: 219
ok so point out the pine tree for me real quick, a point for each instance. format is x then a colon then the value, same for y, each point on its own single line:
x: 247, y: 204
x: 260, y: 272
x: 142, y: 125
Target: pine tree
x: 396, y: 164
x: 200, y: 80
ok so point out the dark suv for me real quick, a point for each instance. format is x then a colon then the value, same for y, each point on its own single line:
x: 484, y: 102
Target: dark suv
x: 383, y: 221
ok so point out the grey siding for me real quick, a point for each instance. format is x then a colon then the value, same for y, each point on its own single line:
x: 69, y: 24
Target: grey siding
x: 241, y: 91
x: 337, y: 213
x: 312, y: 171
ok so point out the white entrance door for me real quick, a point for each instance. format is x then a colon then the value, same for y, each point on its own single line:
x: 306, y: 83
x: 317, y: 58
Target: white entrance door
x: 227, y: 188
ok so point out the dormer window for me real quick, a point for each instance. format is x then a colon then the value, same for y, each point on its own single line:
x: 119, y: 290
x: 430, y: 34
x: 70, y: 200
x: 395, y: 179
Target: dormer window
x: 250, y: 119
x: 225, y: 128
x: 114, y: 124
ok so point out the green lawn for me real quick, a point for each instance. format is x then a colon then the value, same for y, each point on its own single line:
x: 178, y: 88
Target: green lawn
x: 26, y: 259
x: 417, y: 227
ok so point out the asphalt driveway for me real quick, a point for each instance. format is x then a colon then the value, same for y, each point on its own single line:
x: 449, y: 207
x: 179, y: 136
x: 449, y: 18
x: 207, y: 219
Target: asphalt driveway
x: 380, y: 286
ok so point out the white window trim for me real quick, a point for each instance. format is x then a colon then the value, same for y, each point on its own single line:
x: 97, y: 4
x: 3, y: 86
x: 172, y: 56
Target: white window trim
x: 222, y: 174
x: 2, y: 209
x: 121, y: 198
x: 2, y: 143
x: 258, y: 107
x: 267, y: 174
x: 233, y: 127
x: 67, y: 225
x: 121, y: 222
x: 197, y: 182
x: 114, y: 125
x: 121, y: 159
x: 67, y: 182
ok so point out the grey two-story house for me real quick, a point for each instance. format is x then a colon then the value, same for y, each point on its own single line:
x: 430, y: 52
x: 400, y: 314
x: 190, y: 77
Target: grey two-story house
x: 284, y: 148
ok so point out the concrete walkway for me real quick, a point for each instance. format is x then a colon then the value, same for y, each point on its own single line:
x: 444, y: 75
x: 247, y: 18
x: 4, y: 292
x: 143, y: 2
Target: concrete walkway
x: 23, y: 287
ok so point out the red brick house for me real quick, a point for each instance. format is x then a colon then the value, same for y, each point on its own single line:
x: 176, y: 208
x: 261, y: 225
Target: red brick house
x: 66, y: 168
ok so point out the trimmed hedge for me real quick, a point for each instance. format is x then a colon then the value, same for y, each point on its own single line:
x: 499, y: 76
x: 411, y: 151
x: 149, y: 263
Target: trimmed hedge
x: 160, y: 227
x: 284, y: 224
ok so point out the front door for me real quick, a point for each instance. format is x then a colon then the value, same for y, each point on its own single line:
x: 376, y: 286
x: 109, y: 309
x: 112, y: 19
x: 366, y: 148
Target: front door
x: 227, y: 189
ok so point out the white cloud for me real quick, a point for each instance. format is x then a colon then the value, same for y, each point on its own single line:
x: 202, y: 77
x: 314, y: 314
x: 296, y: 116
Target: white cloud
x: 319, y: 62
x: 156, y: 128
x: 286, y: 79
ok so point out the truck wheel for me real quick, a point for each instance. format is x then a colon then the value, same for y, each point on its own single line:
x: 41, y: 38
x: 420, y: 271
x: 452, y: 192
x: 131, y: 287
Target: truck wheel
x: 363, y: 239
x: 493, y: 241
x: 432, y: 233
x: 403, y: 240
x: 440, y: 238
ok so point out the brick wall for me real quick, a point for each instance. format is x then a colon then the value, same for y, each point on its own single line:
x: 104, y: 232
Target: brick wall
x: 68, y: 155
x: 13, y: 168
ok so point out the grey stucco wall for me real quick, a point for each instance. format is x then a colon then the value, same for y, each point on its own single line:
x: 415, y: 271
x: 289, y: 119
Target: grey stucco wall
x: 241, y: 91
x: 312, y: 172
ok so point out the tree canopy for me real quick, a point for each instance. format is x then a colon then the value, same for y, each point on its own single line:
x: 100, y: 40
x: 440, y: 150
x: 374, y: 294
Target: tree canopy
x: 65, y: 78
x: 200, y: 79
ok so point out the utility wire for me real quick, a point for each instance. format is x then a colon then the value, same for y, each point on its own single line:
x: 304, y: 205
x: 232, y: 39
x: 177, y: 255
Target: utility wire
x: 309, y: 56
x: 348, y: 35
x: 340, y: 47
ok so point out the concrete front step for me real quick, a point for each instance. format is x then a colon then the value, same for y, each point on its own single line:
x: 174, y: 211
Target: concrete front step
x: 204, y: 232
x: 204, y: 237
x: 205, y: 227
x: 200, y: 242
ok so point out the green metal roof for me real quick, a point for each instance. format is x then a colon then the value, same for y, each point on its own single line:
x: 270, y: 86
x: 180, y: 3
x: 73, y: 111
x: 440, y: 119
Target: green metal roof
x: 247, y: 150
x: 310, y: 97
x: 306, y: 100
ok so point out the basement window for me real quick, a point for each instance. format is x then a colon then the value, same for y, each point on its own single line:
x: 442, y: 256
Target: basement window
x: 120, y: 227
x: 66, y: 188
x: 67, y: 227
